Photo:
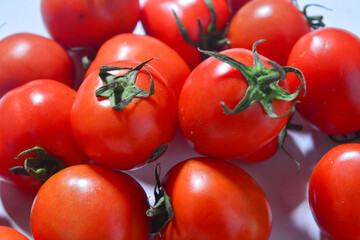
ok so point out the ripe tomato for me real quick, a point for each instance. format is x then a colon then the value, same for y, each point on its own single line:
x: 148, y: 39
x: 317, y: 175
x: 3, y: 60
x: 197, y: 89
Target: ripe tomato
x: 215, y: 84
x: 25, y: 57
x: 214, y: 199
x: 159, y: 21
x: 279, y: 22
x: 36, y: 114
x: 129, y: 137
x: 332, y: 103
x: 334, y: 192
x: 264, y: 153
x: 79, y: 23
x: 128, y: 46
x: 8, y: 233
x: 90, y: 202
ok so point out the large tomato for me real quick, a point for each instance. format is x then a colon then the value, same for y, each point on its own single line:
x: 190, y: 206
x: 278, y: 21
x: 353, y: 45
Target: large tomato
x: 90, y: 202
x: 137, y: 132
x: 25, y: 57
x: 8, y: 233
x: 210, y: 115
x: 36, y: 114
x: 85, y: 23
x: 334, y: 192
x: 214, y: 199
x: 330, y: 60
x: 158, y: 19
x: 279, y: 22
x: 128, y: 46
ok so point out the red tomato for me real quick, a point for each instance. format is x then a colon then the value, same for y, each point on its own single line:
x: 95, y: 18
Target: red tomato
x: 132, y: 136
x: 213, y: 199
x: 36, y: 114
x: 90, y: 202
x: 79, y: 23
x: 128, y: 46
x: 334, y: 192
x: 264, y: 153
x: 205, y: 123
x: 158, y: 19
x: 330, y: 60
x: 25, y: 57
x: 279, y: 22
x: 8, y: 233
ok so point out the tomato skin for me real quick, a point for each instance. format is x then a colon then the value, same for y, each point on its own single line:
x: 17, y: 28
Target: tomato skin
x: 203, y: 121
x: 36, y: 114
x: 334, y: 192
x: 90, y: 202
x: 128, y: 46
x: 8, y: 233
x: 159, y: 21
x: 279, y: 22
x: 125, y: 139
x: 80, y: 23
x: 331, y: 103
x: 215, y: 199
x: 264, y: 153
x: 26, y: 56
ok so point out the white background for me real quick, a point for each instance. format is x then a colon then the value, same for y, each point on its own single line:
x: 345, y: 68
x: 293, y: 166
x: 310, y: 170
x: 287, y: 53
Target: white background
x: 284, y: 186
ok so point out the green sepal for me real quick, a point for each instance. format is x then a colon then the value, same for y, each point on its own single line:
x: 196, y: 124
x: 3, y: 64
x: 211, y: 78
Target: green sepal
x: 263, y: 83
x: 314, y: 21
x: 121, y: 90
x: 162, y: 212
x: 41, y: 167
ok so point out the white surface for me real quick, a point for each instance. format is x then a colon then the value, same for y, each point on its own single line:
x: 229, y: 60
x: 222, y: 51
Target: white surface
x: 284, y: 186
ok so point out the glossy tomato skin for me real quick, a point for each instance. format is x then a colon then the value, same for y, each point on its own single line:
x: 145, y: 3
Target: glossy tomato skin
x: 8, y: 233
x: 215, y: 199
x: 26, y: 56
x: 90, y: 202
x: 332, y: 102
x: 334, y: 192
x: 124, y: 139
x: 36, y: 114
x: 79, y: 23
x: 158, y: 20
x: 128, y: 46
x: 279, y: 22
x: 203, y: 121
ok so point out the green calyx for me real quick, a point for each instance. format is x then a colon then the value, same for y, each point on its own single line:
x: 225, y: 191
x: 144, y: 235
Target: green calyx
x: 263, y: 83
x: 120, y: 90
x: 162, y: 212
x: 213, y: 39
x: 314, y: 21
x: 41, y: 167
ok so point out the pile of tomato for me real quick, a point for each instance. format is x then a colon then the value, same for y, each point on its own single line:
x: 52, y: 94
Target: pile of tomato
x: 228, y: 76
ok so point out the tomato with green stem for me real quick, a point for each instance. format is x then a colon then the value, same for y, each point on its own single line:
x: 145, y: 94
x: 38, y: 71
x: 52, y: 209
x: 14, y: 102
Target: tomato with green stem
x: 36, y: 114
x: 128, y: 46
x: 228, y: 109
x: 124, y: 115
x: 203, y: 198
x: 334, y: 192
x: 90, y: 202
x: 186, y: 25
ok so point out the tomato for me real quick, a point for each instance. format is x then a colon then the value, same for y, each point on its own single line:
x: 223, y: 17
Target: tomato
x: 36, y: 114
x: 8, y: 233
x: 158, y: 20
x: 130, y: 137
x: 90, y: 202
x: 264, y: 153
x: 214, y: 85
x: 214, y: 199
x: 128, y: 46
x: 26, y: 56
x: 334, y: 192
x: 279, y: 22
x: 79, y: 23
x: 330, y: 60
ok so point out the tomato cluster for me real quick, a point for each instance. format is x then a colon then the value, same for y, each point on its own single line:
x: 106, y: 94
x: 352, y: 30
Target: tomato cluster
x: 225, y: 76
